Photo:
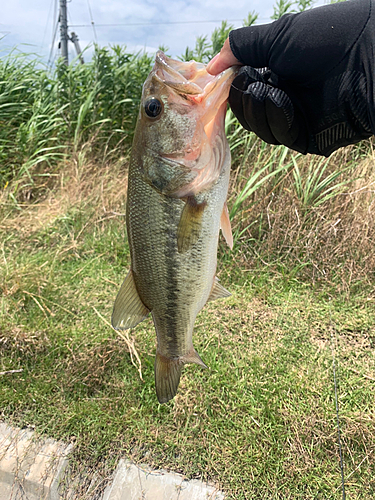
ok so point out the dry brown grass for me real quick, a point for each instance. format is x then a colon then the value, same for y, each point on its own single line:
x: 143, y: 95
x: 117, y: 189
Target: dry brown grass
x: 331, y: 242
x: 82, y: 182
x: 324, y: 243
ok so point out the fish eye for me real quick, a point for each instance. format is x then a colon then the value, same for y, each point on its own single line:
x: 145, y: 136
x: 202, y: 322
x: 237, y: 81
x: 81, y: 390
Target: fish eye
x: 153, y: 107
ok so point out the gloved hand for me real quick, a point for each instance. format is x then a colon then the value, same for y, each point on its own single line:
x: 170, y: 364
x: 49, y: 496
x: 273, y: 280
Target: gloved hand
x: 315, y: 92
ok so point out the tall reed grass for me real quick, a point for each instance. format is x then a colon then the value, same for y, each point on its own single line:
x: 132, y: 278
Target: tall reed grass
x: 287, y: 210
x: 44, y: 116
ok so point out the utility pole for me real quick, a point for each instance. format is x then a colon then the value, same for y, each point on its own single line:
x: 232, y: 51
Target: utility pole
x: 64, y: 37
x: 64, y: 31
x: 74, y: 39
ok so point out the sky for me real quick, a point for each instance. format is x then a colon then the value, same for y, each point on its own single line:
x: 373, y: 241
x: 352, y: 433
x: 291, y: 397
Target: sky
x: 139, y: 24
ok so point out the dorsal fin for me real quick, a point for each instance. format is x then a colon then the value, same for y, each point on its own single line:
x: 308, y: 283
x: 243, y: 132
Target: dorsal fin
x: 129, y: 310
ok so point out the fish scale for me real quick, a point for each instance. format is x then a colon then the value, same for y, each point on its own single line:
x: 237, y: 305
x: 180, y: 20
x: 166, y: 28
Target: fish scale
x: 173, y: 286
x: 173, y: 240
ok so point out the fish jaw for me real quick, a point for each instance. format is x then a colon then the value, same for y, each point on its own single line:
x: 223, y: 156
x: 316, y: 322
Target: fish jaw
x: 192, y: 81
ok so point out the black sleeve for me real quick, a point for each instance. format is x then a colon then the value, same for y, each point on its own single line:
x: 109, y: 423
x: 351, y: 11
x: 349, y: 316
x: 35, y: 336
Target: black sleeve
x: 323, y: 60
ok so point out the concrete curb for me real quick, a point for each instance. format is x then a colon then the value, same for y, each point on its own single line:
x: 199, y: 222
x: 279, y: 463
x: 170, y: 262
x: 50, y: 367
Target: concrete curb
x: 31, y: 469
x: 142, y: 483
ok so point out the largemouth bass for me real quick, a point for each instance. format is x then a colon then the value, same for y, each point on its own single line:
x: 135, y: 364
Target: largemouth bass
x: 176, y: 203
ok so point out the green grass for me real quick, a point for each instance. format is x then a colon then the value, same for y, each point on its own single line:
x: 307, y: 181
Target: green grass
x: 261, y: 422
x: 44, y: 113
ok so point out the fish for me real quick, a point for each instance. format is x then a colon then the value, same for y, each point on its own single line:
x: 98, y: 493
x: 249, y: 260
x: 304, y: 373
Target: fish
x: 176, y: 204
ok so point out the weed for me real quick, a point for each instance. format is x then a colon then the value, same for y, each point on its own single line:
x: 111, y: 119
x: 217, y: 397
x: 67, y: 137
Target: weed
x: 261, y: 421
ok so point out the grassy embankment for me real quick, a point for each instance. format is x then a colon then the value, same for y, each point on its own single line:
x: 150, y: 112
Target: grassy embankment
x: 261, y: 422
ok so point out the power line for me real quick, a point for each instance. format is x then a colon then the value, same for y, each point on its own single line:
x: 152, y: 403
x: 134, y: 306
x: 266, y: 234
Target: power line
x: 54, y: 31
x: 92, y: 21
x: 47, y: 23
x: 56, y: 18
x: 159, y: 22
x: 53, y: 41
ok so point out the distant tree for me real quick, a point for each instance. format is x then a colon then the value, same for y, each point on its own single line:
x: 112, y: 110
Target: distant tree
x: 289, y: 6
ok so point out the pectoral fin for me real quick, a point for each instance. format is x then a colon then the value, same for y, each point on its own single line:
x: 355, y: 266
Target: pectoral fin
x: 225, y: 226
x: 190, y: 225
x: 129, y: 309
x: 218, y: 291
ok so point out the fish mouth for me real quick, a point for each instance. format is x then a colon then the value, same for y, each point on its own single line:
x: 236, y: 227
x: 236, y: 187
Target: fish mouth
x: 184, y: 77
x: 191, y: 79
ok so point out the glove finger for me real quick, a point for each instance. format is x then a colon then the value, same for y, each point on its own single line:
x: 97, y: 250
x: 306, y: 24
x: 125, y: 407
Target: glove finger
x: 280, y: 116
x: 249, y: 75
x: 254, y: 111
x: 246, y: 76
x: 286, y: 122
x: 235, y: 102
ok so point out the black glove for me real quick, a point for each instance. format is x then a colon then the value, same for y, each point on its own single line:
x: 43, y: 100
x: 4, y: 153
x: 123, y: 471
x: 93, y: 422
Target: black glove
x: 315, y: 92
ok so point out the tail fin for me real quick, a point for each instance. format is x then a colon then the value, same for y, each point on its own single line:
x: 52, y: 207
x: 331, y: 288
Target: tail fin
x: 167, y: 377
x: 168, y: 373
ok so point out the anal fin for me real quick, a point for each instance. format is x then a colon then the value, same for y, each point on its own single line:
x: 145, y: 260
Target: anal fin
x: 128, y: 309
x: 218, y: 291
x: 168, y: 373
x: 193, y: 357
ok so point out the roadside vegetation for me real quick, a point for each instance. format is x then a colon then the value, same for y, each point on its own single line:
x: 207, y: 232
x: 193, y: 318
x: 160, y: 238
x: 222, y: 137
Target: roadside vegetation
x: 261, y: 423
